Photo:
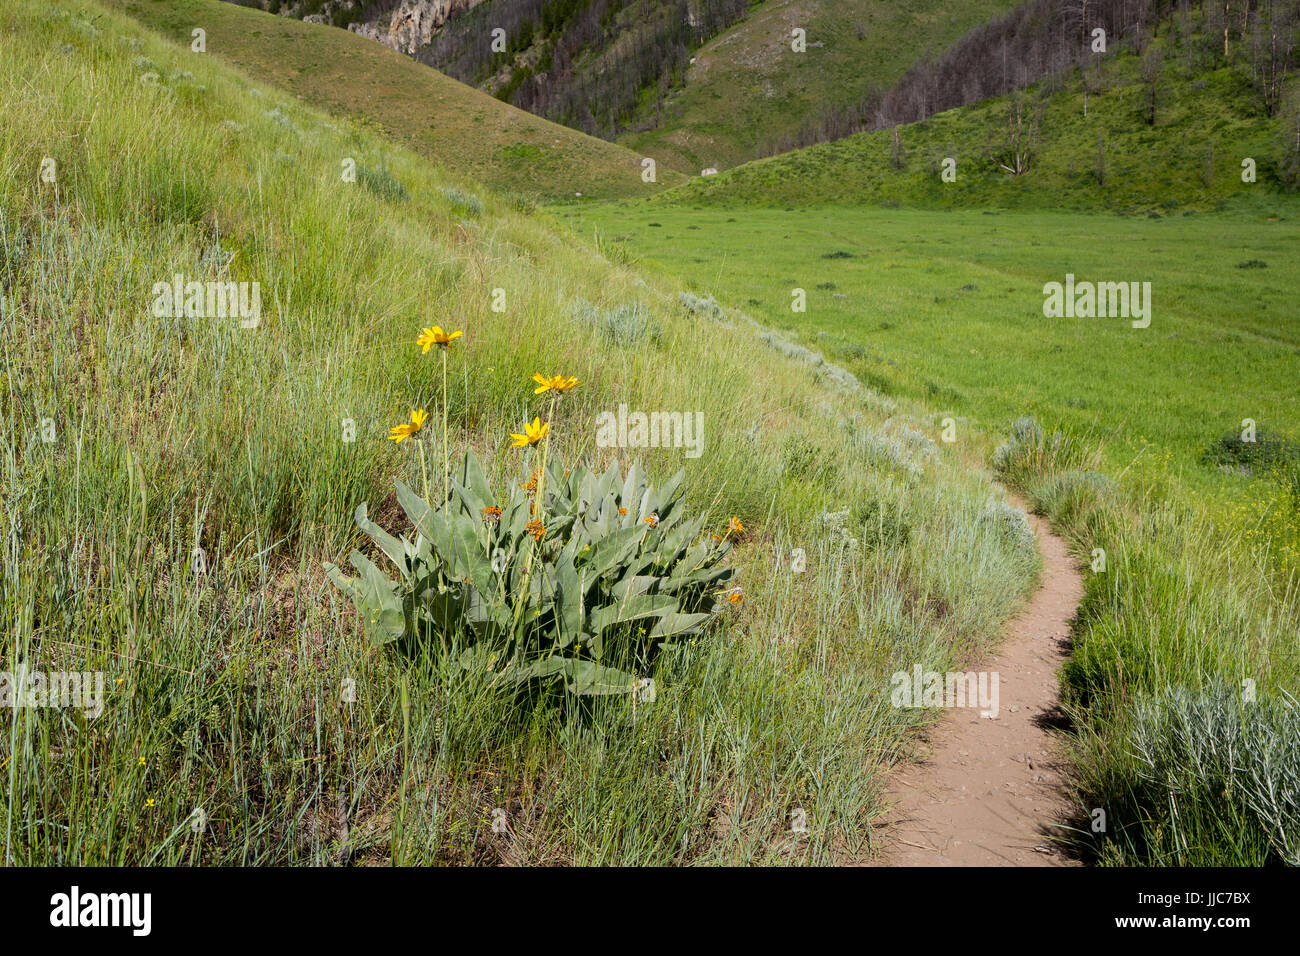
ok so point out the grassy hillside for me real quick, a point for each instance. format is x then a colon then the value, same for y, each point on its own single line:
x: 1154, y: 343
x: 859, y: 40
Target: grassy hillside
x: 173, y: 484
x: 1109, y: 157
x: 468, y: 132
x: 747, y: 89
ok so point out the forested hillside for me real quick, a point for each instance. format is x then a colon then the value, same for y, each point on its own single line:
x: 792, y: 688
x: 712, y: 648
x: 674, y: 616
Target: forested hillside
x: 691, y: 83
x: 1172, y: 114
x: 595, y: 65
x: 1046, y: 38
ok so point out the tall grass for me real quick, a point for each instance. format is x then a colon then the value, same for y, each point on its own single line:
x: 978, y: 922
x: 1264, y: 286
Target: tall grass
x: 170, y: 529
x: 1185, y: 668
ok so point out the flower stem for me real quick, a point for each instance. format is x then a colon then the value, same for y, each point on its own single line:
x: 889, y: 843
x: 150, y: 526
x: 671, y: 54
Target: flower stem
x: 446, y: 452
x: 424, y: 468
x: 540, y: 515
x: 546, y: 454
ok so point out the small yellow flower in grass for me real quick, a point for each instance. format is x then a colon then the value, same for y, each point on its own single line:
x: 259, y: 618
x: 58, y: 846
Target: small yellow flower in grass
x: 142, y: 761
x: 736, y: 526
x: 536, y: 529
x: 418, y: 415
x: 653, y: 520
x: 532, y: 434
x: 436, y: 336
x: 622, y: 511
x: 149, y: 803
x: 735, y: 595
x: 557, y: 383
x: 491, y: 513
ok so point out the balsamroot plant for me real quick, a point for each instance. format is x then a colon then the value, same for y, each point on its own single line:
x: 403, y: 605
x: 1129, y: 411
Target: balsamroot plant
x: 573, y: 576
x: 588, y: 595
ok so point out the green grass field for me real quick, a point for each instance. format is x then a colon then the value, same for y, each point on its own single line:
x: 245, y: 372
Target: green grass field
x: 946, y: 308
x: 471, y: 134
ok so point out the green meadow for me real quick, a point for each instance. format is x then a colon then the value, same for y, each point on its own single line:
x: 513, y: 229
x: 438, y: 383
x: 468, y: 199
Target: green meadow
x: 947, y: 308
x: 1132, y: 440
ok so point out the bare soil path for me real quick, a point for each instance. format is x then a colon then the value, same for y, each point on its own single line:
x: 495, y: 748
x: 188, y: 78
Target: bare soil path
x: 992, y: 790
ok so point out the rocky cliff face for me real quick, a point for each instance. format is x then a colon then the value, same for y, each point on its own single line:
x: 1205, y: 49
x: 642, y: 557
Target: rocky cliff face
x: 405, y: 26
x: 412, y: 23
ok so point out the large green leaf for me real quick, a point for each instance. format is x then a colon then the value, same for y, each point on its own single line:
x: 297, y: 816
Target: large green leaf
x: 417, y: 509
x: 673, y: 625
x: 643, y: 605
x: 570, y: 600
x: 590, y: 678
x: 384, y: 616
x: 395, y: 548
x: 473, y: 487
x: 611, y: 550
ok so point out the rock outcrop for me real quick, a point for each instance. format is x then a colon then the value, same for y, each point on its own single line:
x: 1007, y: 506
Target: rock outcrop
x: 412, y: 23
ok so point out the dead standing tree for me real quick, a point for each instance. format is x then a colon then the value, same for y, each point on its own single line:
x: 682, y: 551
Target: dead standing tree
x: 1152, y: 68
x: 1272, y: 49
x: 1017, y: 150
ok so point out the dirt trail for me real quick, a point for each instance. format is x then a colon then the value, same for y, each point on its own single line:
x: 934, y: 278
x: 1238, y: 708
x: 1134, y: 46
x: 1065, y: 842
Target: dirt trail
x: 992, y: 788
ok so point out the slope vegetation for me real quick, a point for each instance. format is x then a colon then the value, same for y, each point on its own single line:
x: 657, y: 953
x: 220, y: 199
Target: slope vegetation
x: 468, y: 132
x: 1172, y: 114
x: 748, y: 94
x: 173, y: 482
x: 1109, y: 157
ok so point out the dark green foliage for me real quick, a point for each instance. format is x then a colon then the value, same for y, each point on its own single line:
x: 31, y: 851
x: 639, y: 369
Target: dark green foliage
x: 590, y: 598
x: 382, y: 183
x: 880, y: 524
x: 1268, y: 450
x: 594, y: 65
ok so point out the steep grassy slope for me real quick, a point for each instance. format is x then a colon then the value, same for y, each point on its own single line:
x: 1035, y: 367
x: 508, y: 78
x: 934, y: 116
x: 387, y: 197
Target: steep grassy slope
x: 1110, y: 157
x: 470, y: 133
x: 747, y: 89
x: 172, y: 484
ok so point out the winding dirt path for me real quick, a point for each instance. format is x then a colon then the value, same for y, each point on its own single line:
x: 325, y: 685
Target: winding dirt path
x: 992, y: 789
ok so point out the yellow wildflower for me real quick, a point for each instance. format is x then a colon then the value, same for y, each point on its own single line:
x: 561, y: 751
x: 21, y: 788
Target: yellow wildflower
x: 532, y: 434
x: 418, y: 415
x: 436, y: 336
x: 558, y: 383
